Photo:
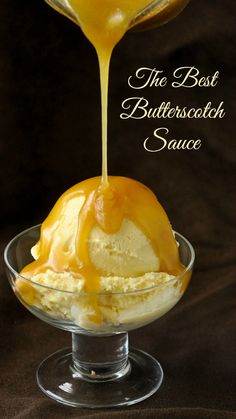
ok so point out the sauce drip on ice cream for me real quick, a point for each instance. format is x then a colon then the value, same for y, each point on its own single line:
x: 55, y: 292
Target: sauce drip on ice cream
x: 106, y: 208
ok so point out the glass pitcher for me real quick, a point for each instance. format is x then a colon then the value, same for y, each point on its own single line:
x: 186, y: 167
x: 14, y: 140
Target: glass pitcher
x: 157, y: 13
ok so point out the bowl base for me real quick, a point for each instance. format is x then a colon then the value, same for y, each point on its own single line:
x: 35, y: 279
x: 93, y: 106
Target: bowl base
x: 56, y: 378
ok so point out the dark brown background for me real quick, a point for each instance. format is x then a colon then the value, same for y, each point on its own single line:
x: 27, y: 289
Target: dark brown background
x: 50, y: 139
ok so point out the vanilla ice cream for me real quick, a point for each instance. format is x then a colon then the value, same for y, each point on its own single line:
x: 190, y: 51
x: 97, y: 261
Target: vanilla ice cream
x: 100, y: 272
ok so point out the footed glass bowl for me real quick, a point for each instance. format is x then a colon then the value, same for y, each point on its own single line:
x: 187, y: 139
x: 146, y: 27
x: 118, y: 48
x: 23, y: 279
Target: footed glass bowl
x: 99, y: 370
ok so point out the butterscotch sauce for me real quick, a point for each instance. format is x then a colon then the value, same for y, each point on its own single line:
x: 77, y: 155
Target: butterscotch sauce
x: 106, y: 208
x: 104, y: 22
x: 107, y: 200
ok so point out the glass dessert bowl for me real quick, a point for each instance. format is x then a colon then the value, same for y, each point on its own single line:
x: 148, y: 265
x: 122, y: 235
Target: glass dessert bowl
x: 99, y: 371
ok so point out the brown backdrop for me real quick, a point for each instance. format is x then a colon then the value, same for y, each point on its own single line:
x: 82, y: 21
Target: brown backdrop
x: 50, y: 139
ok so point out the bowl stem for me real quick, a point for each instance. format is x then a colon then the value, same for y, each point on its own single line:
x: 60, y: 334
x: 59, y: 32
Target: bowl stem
x: 100, y: 358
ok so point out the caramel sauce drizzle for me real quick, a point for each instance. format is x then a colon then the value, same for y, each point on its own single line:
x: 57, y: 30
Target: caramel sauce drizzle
x: 107, y: 200
x: 105, y: 207
x: 104, y: 23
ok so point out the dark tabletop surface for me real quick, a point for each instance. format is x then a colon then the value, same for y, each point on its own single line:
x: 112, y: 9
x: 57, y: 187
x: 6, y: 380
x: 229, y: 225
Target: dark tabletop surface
x: 50, y: 139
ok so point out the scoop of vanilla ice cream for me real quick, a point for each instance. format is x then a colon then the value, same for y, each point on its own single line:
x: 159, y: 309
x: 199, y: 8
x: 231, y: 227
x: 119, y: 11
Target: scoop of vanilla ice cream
x: 133, y: 291
x: 128, y: 252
